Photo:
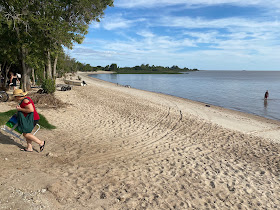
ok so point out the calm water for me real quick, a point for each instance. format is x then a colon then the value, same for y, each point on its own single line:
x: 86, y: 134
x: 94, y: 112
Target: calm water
x: 237, y: 90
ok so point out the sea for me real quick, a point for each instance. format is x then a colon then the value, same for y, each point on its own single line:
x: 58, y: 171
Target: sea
x: 237, y: 90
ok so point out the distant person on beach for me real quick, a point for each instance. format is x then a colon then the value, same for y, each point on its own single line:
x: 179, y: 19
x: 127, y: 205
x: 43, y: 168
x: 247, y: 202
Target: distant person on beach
x: 266, y: 95
x: 27, y: 106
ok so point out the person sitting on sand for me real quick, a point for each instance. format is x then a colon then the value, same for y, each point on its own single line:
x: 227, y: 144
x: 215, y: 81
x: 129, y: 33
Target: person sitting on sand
x: 266, y: 95
x: 27, y: 106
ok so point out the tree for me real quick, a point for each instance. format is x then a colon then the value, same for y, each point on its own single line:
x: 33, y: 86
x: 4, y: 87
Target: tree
x: 107, y: 68
x: 113, y: 67
x: 175, y: 67
x: 44, y: 26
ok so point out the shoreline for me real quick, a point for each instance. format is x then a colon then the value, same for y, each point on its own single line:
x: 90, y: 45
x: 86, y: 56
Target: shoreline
x: 123, y: 148
x: 241, y: 121
x: 272, y: 119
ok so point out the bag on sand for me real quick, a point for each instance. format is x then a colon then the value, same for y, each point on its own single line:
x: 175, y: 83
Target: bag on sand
x: 25, y: 124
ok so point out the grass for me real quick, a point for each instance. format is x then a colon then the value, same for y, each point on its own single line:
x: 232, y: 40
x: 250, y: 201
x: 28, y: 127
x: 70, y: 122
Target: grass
x: 5, y: 116
x: 44, y: 123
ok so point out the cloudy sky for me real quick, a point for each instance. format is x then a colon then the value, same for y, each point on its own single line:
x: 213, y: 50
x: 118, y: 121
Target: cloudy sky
x: 203, y: 34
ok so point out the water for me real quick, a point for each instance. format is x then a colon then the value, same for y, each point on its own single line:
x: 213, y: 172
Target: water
x: 238, y: 90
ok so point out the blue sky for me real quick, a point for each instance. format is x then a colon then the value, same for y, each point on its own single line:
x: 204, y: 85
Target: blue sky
x: 202, y: 34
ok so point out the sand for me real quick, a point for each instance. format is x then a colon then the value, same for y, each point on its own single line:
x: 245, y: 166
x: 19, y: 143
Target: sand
x: 122, y: 148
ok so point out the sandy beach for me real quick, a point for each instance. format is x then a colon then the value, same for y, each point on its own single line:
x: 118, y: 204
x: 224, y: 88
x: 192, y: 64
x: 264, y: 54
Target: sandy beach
x: 122, y: 148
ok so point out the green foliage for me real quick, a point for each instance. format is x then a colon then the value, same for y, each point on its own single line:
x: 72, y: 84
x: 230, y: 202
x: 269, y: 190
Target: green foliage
x: 113, y: 67
x: 29, y: 29
x: 49, y: 85
x: 40, y: 76
x: 66, y: 64
x: 5, y: 116
x: 107, y: 68
x: 146, y: 69
x: 44, y: 123
x: 86, y: 67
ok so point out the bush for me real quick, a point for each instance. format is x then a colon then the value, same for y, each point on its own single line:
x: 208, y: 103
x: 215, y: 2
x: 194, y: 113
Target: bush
x: 49, y: 85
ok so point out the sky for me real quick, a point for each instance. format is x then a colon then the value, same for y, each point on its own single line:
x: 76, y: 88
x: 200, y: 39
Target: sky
x: 202, y: 34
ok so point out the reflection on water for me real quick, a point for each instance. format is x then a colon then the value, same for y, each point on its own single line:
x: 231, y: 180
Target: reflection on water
x: 265, y: 103
x: 238, y: 90
x: 265, y: 107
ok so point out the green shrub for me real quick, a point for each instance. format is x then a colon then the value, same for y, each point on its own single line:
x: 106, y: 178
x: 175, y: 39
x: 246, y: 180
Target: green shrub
x: 48, y: 86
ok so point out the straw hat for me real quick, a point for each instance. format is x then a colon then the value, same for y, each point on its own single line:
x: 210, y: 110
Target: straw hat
x: 19, y: 92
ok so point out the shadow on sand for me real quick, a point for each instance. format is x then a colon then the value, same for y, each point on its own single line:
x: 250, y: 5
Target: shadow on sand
x: 5, y: 139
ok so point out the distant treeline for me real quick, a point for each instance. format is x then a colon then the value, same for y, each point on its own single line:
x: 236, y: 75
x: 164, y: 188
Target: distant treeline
x: 143, y: 69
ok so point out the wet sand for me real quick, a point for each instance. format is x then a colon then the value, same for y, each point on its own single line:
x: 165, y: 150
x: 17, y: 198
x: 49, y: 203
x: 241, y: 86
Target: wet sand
x: 122, y: 148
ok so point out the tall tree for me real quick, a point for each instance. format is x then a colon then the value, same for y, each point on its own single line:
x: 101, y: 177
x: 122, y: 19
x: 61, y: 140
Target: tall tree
x: 44, y: 26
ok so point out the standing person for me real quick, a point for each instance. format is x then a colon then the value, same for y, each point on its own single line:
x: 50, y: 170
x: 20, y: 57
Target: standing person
x: 27, y: 106
x: 13, y: 80
x: 266, y: 95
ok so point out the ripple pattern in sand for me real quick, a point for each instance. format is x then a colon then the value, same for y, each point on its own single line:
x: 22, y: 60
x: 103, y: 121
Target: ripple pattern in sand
x: 137, y: 154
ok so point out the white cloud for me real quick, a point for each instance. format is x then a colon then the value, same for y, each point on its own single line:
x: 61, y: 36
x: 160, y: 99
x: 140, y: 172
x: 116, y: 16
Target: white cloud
x: 188, y: 22
x: 146, y: 34
x: 233, y: 50
x: 229, y: 54
x: 224, y: 43
x: 156, y: 3
x: 116, y: 21
x: 189, y: 3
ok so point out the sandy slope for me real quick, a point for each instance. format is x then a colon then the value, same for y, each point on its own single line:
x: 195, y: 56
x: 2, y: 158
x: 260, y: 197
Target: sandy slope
x: 122, y: 148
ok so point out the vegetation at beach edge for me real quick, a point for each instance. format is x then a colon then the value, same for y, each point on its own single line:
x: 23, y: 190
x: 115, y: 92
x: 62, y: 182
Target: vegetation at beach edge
x: 35, y: 34
x: 142, y: 69
x: 5, y: 116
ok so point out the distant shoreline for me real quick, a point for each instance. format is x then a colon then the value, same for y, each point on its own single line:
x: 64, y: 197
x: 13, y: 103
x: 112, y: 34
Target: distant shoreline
x: 234, y: 108
x: 219, y: 115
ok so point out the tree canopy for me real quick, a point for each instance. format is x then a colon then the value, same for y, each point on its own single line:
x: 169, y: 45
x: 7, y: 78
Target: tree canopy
x: 145, y: 69
x: 34, y: 32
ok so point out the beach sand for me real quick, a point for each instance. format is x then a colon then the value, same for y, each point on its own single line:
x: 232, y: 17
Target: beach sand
x: 122, y: 148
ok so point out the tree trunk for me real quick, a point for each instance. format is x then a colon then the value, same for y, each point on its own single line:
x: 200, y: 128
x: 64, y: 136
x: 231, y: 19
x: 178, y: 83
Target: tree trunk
x: 22, y: 55
x: 33, y: 76
x: 5, y: 71
x: 1, y: 84
x: 44, y: 73
x: 49, y: 65
x: 54, y: 67
x: 28, y: 83
x: 24, y: 75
